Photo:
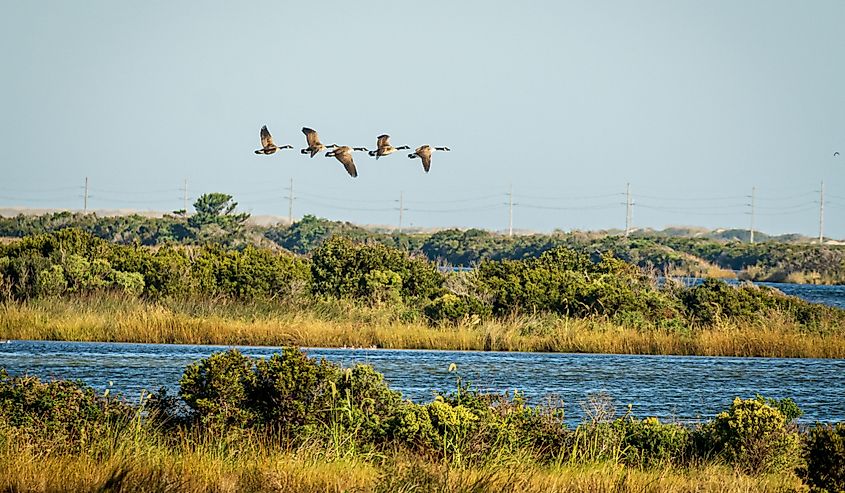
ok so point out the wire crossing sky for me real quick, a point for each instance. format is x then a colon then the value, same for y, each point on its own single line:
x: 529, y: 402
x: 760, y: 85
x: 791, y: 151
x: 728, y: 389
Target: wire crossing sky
x: 693, y: 103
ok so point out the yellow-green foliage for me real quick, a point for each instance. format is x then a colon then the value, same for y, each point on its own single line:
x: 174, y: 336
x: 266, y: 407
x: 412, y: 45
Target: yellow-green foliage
x: 755, y: 437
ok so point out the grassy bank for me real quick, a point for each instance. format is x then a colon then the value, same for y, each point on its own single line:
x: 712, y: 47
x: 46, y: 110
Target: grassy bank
x: 147, y: 467
x: 335, y: 323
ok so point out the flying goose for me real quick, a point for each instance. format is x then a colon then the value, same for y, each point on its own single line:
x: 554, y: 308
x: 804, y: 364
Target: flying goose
x: 344, y: 155
x: 267, y: 145
x: 384, y: 148
x: 424, y: 153
x: 314, y: 144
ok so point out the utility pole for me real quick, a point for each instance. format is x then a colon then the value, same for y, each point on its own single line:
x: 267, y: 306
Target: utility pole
x: 85, y: 197
x: 290, y: 202
x: 401, y: 209
x: 753, y: 201
x: 185, y: 197
x: 510, y: 211
x: 821, y: 214
x: 629, y: 210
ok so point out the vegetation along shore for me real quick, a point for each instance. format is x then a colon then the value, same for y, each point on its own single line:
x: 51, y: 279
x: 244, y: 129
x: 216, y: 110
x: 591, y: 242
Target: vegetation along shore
x: 72, y: 285
x: 293, y: 423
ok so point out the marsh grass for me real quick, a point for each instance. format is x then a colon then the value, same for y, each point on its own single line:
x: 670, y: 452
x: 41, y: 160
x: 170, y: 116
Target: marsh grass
x: 338, y: 323
x: 141, y: 460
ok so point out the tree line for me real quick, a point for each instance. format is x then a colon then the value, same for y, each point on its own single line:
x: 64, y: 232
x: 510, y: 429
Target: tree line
x: 215, y: 221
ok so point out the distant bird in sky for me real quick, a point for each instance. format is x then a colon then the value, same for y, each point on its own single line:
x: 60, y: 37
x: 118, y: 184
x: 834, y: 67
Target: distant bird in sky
x: 344, y: 155
x: 314, y: 144
x: 384, y: 148
x: 267, y: 144
x: 835, y: 153
x: 424, y: 153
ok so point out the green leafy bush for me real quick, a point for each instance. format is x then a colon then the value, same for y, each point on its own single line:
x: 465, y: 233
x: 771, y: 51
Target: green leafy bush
x: 218, y: 389
x: 291, y: 390
x: 755, y: 437
x: 340, y: 268
x: 52, y: 281
x: 566, y: 282
x: 454, y: 308
x: 825, y: 456
x: 650, y: 443
x: 291, y: 393
x: 60, y: 416
x: 129, y: 283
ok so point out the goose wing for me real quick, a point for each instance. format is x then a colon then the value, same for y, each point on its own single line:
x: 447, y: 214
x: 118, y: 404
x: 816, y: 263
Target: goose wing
x: 266, y: 138
x: 424, y: 152
x: 311, y: 136
x: 383, y: 140
x: 345, y: 157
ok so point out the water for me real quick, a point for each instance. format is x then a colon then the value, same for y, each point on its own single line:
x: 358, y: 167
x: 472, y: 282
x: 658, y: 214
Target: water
x: 687, y: 388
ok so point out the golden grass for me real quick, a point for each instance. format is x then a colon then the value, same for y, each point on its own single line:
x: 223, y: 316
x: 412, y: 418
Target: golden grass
x: 140, y: 462
x: 131, y: 320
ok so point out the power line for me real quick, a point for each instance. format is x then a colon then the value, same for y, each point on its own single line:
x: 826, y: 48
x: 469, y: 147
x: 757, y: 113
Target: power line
x: 753, y: 202
x: 569, y: 208
x: 510, y: 211
x: 629, y: 214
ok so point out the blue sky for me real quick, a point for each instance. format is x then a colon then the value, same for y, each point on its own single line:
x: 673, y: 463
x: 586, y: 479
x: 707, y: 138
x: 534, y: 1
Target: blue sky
x: 691, y: 102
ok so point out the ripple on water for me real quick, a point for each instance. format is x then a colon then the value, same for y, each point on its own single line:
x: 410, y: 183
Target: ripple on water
x: 681, y: 387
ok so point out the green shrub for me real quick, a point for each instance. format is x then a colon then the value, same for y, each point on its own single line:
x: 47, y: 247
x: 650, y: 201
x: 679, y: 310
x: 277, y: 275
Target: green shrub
x: 825, y: 456
x: 786, y: 406
x: 58, y: 416
x: 566, y: 282
x: 291, y: 390
x: 454, y: 308
x: 714, y: 300
x: 383, y: 286
x: 340, y: 268
x: 52, y: 282
x: 218, y: 389
x: 755, y: 437
x: 129, y: 283
x: 364, y: 405
x: 411, y: 425
x: 290, y: 393
x: 21, y: 271
x: 649, y: 442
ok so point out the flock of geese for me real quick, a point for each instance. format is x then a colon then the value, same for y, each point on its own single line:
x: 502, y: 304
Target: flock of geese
x: 344, y: 153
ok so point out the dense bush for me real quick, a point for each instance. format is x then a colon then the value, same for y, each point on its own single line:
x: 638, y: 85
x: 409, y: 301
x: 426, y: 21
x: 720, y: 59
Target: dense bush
x: 219, y: 389
x: 825, y: 455
x: 59, y: 413
x: 288, y: 392
x: 713, y: 300
x: 344, y: 269
x: 563, y: 281
x: 649, y: 442
x: 755, y: 437
x: 73, y: 262
x: 454, y: 308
